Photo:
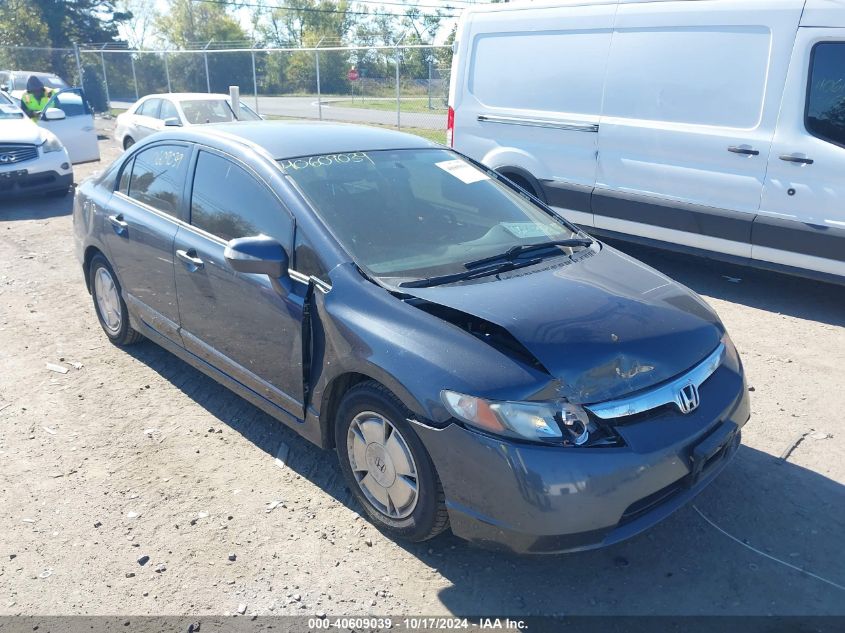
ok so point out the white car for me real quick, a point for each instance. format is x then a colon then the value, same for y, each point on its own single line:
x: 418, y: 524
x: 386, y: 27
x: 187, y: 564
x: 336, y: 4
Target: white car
x: 14, y: 82
x: 153, y: 113
x: 32, y: 159
x: 714, y: 127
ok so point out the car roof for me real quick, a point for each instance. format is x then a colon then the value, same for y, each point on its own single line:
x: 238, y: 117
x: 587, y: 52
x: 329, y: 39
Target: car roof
x: 289, y: 139
x: 185, y: 96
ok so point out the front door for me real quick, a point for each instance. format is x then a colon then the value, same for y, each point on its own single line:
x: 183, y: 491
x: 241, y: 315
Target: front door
x: 239, y: 323
x: 76, y: 131
x: 802, y: 215
x: 140, y: 231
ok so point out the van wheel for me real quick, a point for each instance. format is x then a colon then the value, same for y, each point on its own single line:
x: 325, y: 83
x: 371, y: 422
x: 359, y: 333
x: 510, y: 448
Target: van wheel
x: 109, y: 304
x: 128, y: 142
x: 386, y: 465
x: 522, y: 183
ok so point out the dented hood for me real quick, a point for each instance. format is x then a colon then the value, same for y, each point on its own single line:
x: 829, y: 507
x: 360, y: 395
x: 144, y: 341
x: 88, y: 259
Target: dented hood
x: 604, y: 326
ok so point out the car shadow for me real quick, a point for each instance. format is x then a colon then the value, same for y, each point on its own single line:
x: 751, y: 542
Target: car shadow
x: 684, y: 565
x: 35, y: 207
x: 762, y: 289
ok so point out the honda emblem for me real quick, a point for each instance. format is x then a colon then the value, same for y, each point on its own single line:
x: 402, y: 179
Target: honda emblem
x: 688, y: 398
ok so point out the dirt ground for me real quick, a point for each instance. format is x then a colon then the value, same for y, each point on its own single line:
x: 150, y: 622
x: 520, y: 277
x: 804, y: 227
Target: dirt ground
x: 135, y: 454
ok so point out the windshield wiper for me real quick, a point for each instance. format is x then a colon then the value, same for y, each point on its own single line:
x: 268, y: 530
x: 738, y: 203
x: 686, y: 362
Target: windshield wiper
x: 470, y: 274
x: 515, y: 251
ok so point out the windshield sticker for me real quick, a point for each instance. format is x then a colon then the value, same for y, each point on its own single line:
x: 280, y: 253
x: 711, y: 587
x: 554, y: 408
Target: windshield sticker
x: 463, y: 171
x: 9, y: 109
x: 327, y: 160
x: 526, y: 229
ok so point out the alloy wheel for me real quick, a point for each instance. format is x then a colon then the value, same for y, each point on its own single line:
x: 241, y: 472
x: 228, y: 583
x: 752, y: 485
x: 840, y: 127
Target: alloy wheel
x: 108, y: 301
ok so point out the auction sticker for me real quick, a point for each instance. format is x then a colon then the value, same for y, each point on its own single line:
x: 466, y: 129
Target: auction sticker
x: 463, y: 171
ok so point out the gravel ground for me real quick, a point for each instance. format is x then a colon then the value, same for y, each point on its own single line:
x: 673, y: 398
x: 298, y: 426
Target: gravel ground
x: 134, y: 456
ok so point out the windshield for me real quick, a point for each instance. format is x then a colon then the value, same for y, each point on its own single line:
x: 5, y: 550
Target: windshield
x: 8, y: 111
x: 200, y: 111
x: 418, y: 213
x: 49, y: 81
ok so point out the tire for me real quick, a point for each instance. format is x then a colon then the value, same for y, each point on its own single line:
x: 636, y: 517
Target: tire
x: 361, y: 407
x: 128, y: 142
x: 111, y: 309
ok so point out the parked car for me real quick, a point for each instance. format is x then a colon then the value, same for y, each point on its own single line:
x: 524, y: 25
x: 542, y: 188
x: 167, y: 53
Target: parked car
x: 32, y: 159
x: 153, y: 113
x: 714, y: 127
x: 14, y: 81
x: 474, y: 359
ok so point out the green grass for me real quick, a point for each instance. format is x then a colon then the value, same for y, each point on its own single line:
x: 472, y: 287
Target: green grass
x: 413, y: 104
x: 438, y: 136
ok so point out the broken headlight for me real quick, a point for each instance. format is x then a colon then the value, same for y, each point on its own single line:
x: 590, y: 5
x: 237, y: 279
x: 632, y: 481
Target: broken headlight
x: 554, y: 422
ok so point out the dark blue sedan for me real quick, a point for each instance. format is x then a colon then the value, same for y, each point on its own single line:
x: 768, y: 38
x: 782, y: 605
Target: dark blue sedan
x: 475, y: 360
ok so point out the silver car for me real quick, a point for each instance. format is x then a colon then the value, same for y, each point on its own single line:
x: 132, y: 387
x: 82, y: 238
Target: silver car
x: 153, y: 113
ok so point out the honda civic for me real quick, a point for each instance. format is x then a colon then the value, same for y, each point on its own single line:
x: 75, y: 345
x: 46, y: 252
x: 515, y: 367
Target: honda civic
x: 476, y: 361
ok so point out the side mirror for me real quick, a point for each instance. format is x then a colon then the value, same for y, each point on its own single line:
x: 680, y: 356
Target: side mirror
x: 54, y: 114
x: 258, y: 255
x: 172, y: 122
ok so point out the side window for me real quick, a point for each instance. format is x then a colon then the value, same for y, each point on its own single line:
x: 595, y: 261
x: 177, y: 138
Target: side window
x: 158, y: 176
x: 149, y: 108
x: 306, y: 260
x: 124, y: 177
x: 825, y: 116
x: 71, y: 103
x: 168, y: 111
x: 228, y: 202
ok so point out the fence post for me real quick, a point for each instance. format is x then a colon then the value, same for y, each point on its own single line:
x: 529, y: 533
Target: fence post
x: 430, y: 56
x: 167, y: 72
x: 317, y: 61
x: 398, y: 99
x: 207, y: 76
x: 134, y: 76
x: 78, y: 64
x: 105, y: 77
x: 254, y: 79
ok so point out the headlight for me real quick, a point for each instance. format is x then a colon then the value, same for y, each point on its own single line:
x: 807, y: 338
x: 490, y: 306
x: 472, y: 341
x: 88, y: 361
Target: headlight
x: 539, y: 421
x: 52, y: 144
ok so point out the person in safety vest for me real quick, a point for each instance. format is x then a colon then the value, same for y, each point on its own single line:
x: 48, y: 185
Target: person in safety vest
x: 36, y: 97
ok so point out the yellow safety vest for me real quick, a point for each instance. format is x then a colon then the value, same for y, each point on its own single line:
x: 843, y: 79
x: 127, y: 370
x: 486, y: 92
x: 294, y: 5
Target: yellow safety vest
x: 34, y: 105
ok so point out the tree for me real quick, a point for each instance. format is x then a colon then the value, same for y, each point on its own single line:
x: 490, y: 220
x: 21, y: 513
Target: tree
x: 193, y: 25
x: 21, y: 24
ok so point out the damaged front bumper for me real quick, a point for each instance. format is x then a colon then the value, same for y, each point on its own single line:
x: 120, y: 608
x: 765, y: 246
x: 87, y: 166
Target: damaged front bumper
x: 530, y: 498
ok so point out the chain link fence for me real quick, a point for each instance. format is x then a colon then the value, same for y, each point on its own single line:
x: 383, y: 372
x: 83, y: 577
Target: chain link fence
x: 398, y: 86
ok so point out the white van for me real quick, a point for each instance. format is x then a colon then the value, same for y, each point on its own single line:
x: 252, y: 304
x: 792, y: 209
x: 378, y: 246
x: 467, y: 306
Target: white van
x: 709, y: 126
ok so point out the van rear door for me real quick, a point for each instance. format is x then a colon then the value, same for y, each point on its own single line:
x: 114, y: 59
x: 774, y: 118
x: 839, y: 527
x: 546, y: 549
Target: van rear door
x: 691, y: 101
x: 527, y: 97
x: 802, y: 215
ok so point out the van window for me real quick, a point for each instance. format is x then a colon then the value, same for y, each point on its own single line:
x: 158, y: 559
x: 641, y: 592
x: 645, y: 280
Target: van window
x: 572, y: 66
x: 158, y: 176
x: 825, y: 116
x: 698, y: 75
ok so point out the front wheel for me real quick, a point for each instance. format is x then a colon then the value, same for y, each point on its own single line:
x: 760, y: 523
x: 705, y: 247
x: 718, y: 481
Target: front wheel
x: 386, y: 465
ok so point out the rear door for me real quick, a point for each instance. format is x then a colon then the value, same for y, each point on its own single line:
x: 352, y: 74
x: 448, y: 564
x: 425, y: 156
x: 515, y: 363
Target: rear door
x: 528, y: 97
x: 139, y: 232
x: 145, y: 120
x: 691, y: 101
x: 76, y: 131
x: 802, y: 216
x: 239, y: 323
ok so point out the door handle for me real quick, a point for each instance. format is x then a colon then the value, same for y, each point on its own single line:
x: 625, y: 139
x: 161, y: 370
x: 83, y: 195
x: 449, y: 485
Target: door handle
x: 190, y: 258
x: 120, y: 226
x: 744, y: 149
x: 789, y: 158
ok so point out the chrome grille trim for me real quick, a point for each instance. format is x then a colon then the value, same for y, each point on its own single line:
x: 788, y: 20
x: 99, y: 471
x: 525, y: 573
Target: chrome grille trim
x: 12, y: 154
x: 659, y: 396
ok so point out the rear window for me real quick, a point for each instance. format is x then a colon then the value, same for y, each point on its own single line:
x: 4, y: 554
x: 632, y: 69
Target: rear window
x: 158, y: 177
x: 826, y: 93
